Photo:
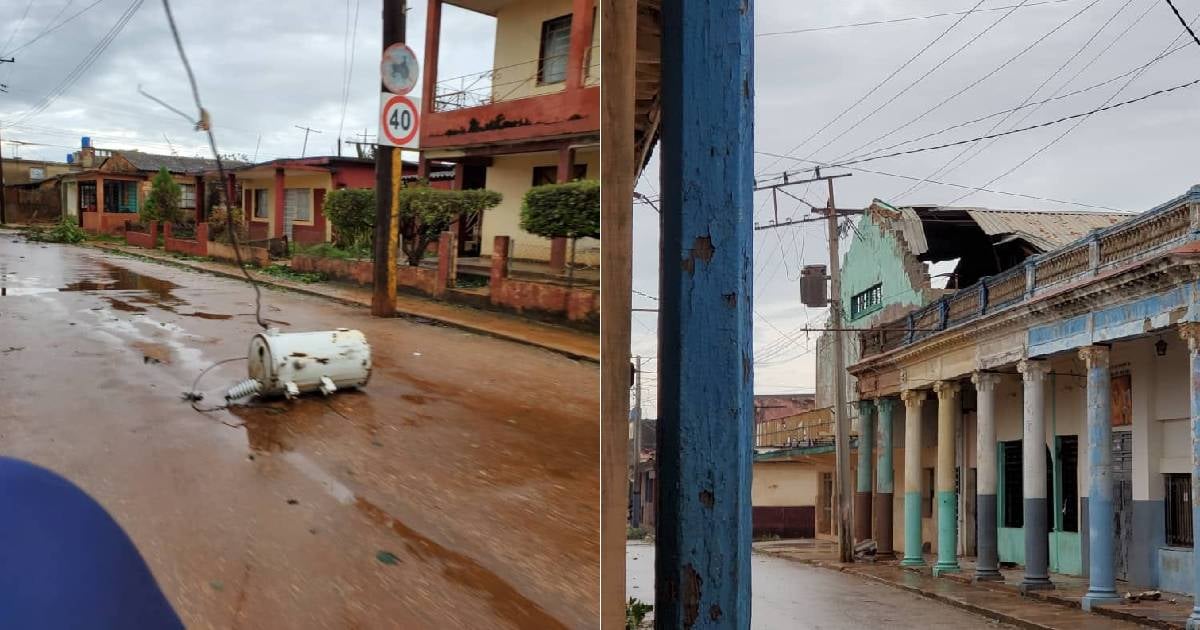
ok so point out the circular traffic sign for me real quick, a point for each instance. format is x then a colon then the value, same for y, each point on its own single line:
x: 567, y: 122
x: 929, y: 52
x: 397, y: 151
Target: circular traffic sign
x: 399, y: 69
x: 400, y: 118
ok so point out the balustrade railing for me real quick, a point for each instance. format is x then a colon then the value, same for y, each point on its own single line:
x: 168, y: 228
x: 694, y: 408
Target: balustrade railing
x: 1141, y: 237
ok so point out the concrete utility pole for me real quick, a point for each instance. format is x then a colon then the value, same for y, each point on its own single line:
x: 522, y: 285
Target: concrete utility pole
x: 387, y: 173
x: 841, y: 428
x: 635, y: 516
x: 840, y: 418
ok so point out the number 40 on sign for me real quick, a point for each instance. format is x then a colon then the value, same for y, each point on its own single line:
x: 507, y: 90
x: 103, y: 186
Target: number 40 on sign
x: 400, y: 121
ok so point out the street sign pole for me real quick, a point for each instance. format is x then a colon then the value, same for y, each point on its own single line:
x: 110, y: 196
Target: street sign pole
x: 388, y: 166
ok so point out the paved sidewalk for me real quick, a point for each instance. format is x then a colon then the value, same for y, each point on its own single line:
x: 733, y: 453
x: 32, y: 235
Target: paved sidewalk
x: 1058, y: 609
x: 572, y: 343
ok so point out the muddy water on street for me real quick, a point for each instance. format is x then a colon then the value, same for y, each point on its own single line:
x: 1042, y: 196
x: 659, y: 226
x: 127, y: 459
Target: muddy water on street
x: 458, y: 489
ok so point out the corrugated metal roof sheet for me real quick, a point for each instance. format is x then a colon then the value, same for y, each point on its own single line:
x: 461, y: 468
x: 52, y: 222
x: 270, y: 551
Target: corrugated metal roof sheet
x: 914, y: 232
x: 1043, y: 229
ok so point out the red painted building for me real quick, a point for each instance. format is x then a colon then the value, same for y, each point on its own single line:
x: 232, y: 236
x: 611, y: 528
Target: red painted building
x: 286, y: 196
x: 532, y: 117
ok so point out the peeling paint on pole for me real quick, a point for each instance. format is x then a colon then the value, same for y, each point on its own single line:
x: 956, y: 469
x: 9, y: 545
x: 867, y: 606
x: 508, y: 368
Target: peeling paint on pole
x: 705, y: 346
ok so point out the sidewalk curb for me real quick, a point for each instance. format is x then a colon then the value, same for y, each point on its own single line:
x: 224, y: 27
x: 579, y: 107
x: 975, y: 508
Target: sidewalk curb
x: 300, y: 288
x: 957, y: 603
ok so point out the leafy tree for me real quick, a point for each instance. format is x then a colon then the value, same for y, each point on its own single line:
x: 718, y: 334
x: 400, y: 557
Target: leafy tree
x: 568, y: 210
x: 426, y: 212
x: 162, y: 204
x: 351, y: 211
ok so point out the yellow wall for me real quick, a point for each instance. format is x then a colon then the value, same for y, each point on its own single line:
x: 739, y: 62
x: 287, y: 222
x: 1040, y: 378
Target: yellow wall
x: 511, y: 176
x: 518, y: 44
x: 314, y: 180
x: 783, y: 484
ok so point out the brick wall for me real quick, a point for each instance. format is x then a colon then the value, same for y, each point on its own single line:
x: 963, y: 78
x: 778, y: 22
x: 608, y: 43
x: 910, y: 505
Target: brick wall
x: 191, y: 247
x: 143, y: 239
x: 552, y: 301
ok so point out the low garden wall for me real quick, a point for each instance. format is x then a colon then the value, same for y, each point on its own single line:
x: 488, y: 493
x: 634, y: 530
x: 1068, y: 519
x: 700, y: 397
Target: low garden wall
x: 358, y: 272
x: 197, y: 246
x: 148, y: 240
x: 580, y: 306
x: 250, y: 255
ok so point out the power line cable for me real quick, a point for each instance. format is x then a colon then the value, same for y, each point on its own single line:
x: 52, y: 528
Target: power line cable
x: 17, y: 27
x: 206, y: 125
x: 947, y: 168
x: 1084, y: 118
x: 971, y: 85
x: 52, y: 28
x: 1184, y: 23
x: 954, y: 185
x: 833, y: 27
x: 889, y: 102
x: 347, y: 80
x: 82, y: 67
x: 881, y: 83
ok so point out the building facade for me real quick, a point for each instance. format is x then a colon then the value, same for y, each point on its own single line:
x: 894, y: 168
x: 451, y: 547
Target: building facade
x: 532, y: 118
x: 1047, y: 415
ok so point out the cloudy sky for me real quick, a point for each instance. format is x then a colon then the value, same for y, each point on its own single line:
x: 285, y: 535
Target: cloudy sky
x: 262, y: 69
x: 1130, y: 158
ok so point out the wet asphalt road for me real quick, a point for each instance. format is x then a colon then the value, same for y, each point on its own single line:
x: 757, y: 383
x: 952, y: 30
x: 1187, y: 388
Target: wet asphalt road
x: 473, y: 461
x: 788, y: 594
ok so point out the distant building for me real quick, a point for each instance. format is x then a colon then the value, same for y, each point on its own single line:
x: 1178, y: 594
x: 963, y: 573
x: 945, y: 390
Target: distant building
x: 531, y: 118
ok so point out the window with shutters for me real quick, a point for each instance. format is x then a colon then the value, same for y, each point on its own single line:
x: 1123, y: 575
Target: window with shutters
x: 262, y: 204
x: 866, y: 301
x: 556, y: 45
x: 297, y: 204
x: 1179, y: 509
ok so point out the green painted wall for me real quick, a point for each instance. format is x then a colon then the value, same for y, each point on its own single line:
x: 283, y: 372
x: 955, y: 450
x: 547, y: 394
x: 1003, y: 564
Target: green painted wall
x: 874, y: 257
x: 1066, y: 553
x: 1010, y: 542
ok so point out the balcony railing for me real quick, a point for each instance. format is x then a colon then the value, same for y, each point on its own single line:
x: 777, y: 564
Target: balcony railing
x: 1146, y: 235
x: 503, y: 83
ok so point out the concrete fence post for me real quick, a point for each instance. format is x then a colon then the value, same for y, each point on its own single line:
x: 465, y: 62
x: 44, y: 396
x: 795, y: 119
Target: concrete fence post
x: 202, y: 237
x: 154, y: 232
x: 447, y: 262
x: 166, y: 226
x: 499, y: 267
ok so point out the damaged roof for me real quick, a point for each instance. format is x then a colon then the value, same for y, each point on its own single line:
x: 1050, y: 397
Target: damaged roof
x: 1043, y: 229
x: 173, y: 163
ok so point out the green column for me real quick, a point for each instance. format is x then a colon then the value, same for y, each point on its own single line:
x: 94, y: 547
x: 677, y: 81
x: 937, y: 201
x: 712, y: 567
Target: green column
x: 947, y: 497
x: 866, y: 450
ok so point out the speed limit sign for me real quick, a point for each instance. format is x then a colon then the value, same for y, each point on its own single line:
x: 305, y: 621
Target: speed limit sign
x: 399, y: 121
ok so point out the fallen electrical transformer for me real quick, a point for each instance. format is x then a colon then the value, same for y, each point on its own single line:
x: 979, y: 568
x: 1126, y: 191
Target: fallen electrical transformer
x: 290, y: 364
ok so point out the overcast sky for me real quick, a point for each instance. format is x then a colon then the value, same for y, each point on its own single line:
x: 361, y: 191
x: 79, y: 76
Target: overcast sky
x: 1131, y: 158
x: 262, y: 68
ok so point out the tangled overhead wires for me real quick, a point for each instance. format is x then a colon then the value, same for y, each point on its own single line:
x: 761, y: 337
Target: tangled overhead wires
x: 205, y: 124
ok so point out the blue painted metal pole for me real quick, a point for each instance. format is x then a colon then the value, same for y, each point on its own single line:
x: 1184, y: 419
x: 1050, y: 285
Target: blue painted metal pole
x: 884, y: 485
x: 1102, y: 585
x: 1191, y: 333
x: 702, y: 568
x: 866, y: 453
x: 914, y: 555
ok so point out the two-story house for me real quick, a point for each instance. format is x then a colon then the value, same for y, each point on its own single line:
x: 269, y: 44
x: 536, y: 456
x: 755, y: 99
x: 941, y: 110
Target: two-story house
x: 532, y: 118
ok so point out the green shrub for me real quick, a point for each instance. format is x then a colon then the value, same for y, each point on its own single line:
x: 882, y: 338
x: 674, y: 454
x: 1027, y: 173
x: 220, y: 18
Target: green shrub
x: 162, y: 203
x: 569, y: 210
x: 635, y: 613
x: 426, y: 212
x: 351, y: 212
x: 65, y: 231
